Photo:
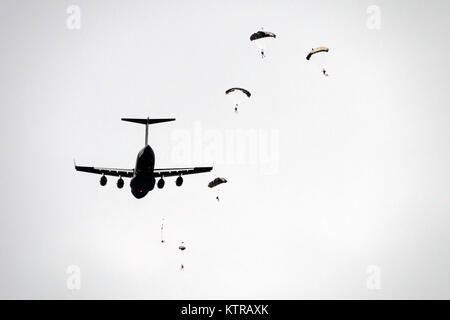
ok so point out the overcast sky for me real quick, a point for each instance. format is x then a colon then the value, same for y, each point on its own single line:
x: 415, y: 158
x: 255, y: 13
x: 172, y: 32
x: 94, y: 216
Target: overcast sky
x: 327, y: 176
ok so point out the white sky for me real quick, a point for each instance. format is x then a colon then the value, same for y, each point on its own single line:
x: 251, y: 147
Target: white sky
x: 359, y: 160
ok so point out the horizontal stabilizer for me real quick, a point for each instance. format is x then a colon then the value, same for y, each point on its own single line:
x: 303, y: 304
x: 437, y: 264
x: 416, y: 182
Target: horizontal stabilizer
x: 147, y: 121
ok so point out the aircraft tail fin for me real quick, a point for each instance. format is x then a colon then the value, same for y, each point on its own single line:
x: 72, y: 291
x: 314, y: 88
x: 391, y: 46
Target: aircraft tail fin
x: 147, y: 122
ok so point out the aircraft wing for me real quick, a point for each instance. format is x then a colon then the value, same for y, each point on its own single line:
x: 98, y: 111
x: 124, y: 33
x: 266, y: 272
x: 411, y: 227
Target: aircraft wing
x: 180, y: 171
x: 126, y: 173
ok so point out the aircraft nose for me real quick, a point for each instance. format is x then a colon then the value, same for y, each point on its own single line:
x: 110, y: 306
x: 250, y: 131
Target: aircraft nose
x: 139, y: 193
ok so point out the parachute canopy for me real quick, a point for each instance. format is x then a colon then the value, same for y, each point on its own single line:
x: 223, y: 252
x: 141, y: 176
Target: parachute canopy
x: 246, y: 92
x: 216, y: 182
x: 316, y: 50
x: 262, y: 34
x: 182, y: 248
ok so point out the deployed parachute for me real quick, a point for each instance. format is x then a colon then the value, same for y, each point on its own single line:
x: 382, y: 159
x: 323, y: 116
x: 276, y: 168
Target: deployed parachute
x: 261, y: 37
x: 237, y: 98
x: 321, y: 61
x: 262, y: 34
x: 316, y: 50
x: 246, y: 92
x: 216, y: 182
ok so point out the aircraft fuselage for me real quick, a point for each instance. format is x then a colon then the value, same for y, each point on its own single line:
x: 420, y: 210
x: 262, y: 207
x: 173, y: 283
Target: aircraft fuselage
x: 143, y: 180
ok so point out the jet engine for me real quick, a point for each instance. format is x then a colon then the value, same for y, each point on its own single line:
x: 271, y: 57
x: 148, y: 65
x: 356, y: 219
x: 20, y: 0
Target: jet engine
x: 103, y: 180
x: 120, y: 183
x: 179, y: 181
x: 161, y: 183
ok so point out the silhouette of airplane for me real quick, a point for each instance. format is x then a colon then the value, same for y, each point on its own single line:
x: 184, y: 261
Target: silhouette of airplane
x: 143, y: 176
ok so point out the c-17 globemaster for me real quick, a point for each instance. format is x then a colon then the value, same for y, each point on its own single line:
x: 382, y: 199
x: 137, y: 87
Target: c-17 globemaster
x: 143, y: 176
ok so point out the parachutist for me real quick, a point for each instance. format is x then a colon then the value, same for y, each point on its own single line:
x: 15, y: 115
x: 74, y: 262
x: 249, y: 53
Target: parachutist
x: 257, y: 36
x: 162, y: 230
x: 238, y: 97
x: 182, y: 267
x: 215, y: 183
x: 325, y: 72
